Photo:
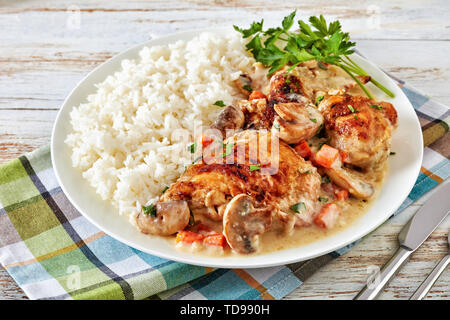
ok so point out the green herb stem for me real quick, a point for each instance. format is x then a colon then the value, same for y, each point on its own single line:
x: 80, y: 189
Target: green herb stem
x: 360, y: 71
x: 366, y: 91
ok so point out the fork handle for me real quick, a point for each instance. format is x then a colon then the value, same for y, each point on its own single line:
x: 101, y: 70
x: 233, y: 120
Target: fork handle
x: 390, y: 269
x: 423, y: 289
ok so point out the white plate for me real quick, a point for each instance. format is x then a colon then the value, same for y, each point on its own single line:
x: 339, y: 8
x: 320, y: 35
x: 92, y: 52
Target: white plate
x: 404, y: 169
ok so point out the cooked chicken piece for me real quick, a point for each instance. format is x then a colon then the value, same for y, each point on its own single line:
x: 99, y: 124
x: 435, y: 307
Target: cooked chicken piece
x: 168, y: 218
x: 296, y: 122
x: 258, y: 114
x: 284, y: 88
x: 308, y: 80
x: 243, y: 223
x: 359, y: 126
x: 270, y: 179
x: 229, y: 121
x: 292, y: 122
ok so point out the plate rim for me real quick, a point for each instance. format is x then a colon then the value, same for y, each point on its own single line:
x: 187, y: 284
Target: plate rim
x: 192, y: 258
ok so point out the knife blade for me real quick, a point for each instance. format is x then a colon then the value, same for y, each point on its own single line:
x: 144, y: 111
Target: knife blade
x: 413, y: 234
x: 427, y: 218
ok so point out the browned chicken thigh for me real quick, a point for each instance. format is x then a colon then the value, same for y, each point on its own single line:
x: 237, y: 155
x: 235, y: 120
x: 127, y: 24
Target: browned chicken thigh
x: 308, y: 80
x: 361, y: 129
x: 251, y: 192
x: 359, y: 126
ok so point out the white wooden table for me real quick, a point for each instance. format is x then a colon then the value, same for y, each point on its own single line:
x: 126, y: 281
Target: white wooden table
x: 46, y: 47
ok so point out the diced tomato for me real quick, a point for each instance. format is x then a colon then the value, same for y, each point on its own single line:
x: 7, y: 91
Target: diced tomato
x: 188, y: 236
x: 327, y: 217
x: 303, y: 149
x: 257, y: 95
x: 326, y: 156
x: 206, y: 141
x: 216, y: 239
x: 341, y: 194
x: 344, y: 155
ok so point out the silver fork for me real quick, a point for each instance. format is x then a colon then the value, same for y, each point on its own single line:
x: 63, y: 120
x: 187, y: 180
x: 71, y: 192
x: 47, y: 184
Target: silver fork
x: 422, y: 291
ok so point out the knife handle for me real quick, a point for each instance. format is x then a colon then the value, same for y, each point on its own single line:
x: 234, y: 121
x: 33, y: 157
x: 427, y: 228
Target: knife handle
x: 422, y: 291
x: 390, y: 269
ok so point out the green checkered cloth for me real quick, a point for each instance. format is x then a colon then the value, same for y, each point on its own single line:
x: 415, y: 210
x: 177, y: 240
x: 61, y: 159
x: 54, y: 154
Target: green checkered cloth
x: 53, y: 252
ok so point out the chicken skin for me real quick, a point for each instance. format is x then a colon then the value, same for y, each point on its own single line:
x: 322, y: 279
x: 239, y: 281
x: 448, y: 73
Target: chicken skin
x: 308, y: 80
x: 291, y: 121
x: 251, y: 190
x: 360, y: 127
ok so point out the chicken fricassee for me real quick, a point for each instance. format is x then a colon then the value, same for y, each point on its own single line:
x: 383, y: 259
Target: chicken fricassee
x: 302, y: 154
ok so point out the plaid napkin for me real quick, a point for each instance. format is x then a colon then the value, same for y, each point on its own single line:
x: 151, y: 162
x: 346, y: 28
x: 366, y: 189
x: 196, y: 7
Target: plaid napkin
x: 53, y: 252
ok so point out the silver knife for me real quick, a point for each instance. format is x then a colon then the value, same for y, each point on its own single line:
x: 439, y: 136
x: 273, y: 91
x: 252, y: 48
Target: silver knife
x: 413, y: 234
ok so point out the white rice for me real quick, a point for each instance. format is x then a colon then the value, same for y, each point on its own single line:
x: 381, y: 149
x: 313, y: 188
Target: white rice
x: 126, y: 139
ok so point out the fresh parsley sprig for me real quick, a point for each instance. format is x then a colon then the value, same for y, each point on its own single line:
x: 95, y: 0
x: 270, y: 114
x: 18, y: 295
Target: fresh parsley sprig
x: 319, y: 40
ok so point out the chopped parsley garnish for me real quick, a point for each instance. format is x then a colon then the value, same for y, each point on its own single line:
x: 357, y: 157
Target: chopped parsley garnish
x: 192, y: 148
x: 298, y: 207
x: 255, y: 167
x: 392, y: 153
x: 219, y: 103
x: 353, y: 111
x: 150, y: 209
x: 313, y: 120
x: 164, y: 190
x: 247, y: 87
x: 228, y: 149
x: 305, y: 172
x: 323, y: 199
x: 318, y: 99
x: 376, y: 106
x: 325, y: 180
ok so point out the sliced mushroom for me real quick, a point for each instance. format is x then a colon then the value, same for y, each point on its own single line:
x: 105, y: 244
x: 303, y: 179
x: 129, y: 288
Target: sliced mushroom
x: 348, y: 179
x: 170, y: 217
x: 296, y: 122
x: 229, y: 121
x: 244, y: 83
x: 243, y: 224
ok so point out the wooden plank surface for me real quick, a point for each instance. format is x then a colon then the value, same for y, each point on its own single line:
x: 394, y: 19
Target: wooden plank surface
x: 45, y: 52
